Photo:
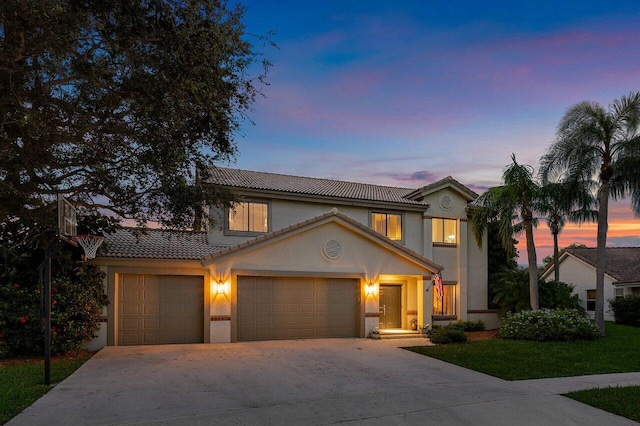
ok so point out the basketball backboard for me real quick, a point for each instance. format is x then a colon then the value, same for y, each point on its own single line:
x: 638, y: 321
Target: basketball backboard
x: 66, y: 220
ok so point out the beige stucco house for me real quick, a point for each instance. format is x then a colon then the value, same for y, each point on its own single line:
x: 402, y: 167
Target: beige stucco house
x: 578, y: 268
x: 298, y: 257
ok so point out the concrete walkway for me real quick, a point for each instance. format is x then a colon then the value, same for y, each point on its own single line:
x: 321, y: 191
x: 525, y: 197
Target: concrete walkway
x: 327, y: 381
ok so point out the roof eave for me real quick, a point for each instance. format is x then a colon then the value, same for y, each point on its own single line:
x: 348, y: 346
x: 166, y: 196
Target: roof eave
x: 323, y: 199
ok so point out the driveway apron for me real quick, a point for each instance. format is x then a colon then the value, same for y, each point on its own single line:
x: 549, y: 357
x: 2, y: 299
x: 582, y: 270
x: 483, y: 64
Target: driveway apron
x: 307, y: 382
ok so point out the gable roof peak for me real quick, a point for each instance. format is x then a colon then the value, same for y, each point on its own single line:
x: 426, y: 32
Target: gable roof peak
x: 448, y: 181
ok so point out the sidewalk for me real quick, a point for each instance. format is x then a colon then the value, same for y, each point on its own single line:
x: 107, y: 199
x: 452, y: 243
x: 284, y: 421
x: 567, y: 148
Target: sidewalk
x: 562, y: 385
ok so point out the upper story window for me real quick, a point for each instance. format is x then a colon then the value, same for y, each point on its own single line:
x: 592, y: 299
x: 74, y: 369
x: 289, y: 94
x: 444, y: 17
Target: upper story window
x: 444, y: 231
x: 388, y: 224
x: 249, y: 217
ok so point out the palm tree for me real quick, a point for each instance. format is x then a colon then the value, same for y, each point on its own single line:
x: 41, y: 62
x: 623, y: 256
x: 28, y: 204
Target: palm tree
x: 514, y: 200
x: 592, y: 141
x: 560, y: 202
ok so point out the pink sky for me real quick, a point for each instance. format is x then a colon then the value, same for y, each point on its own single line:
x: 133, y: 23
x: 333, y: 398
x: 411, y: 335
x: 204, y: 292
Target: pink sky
x: 406, y: 93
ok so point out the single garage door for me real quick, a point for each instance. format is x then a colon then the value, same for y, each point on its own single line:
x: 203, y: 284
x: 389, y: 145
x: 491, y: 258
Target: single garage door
x: 160, y: 309
x: 271, y: 308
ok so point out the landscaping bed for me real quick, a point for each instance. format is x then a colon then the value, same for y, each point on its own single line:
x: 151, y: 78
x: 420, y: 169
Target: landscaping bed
x: 476, y: 336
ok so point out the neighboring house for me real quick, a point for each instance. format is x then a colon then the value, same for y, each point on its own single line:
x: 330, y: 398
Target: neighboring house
x: 578, y: 267
x: 298, y: 258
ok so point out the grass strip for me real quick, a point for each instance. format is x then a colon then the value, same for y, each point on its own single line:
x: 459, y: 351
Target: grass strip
x: 22, y: 384
x: 623, y: 401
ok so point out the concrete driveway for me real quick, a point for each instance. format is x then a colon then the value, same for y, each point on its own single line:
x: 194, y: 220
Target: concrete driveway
x: 294, y: 382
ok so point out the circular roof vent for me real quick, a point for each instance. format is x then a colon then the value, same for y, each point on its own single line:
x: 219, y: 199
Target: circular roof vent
x: 332, y: 249
x: 446, y: 202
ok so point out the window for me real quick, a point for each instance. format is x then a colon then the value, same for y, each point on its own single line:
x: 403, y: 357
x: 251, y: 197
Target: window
x: 249, y: 217
x: 447, y: 304
x: 619, y: 292
x: 591, y: 300
x: 387, y: 224
x: 444, y: 231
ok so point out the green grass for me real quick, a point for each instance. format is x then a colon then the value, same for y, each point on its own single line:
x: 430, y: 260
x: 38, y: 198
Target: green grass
x: 621, y: 401
x: 21, y: 385
x: 520, y: 360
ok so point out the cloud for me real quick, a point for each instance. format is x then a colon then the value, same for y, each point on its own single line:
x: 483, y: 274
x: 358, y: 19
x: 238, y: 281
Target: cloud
x: 419, y: 178
x: 628, y: 241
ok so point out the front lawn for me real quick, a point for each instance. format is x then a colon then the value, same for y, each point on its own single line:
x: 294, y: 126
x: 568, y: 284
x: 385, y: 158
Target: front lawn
x: 21, y: 384
x: 520, y: 360
x: 624, y: 402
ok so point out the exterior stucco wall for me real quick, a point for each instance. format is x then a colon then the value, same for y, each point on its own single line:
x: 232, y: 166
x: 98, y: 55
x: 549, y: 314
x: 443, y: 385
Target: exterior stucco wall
x: 436, y: 208
x: 478, y: 272
x: 285, y: 213
x: 304, y: 253
x: 301, y: 255
x: 583, y: 276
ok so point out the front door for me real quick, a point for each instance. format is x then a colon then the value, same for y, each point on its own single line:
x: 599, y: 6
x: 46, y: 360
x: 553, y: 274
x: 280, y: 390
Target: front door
x: 390, y: 306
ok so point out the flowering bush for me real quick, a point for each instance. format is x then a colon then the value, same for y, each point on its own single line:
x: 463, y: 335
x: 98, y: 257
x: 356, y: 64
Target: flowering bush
x: 76, y: 305
x: 548, y: 325
x: 77, y: 288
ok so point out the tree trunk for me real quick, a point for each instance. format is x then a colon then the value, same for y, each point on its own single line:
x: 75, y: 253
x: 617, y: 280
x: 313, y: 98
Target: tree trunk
x: 603, y: 211
x: 556, y: 258
x: 533, y: 262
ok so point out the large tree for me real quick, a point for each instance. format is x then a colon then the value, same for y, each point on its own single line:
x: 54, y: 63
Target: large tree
x: 118, y: 103
x: 560, y: 202
x: 512, y: 206
x: 594, y: 142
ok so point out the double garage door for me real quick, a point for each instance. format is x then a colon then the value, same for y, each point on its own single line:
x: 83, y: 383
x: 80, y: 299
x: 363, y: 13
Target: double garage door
x: 166, y: 309
x: 160, y: 309
x: 270, y: 308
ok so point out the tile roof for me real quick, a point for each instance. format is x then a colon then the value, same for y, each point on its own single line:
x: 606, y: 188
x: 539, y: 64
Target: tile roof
x: 332, y: 213
x: 309, y: 186
x: 472, y: 195
x: 623, y: 263
x: 157, y: 244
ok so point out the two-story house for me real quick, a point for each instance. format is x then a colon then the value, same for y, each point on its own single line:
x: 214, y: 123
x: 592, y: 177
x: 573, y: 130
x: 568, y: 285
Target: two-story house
x: 299, y: 257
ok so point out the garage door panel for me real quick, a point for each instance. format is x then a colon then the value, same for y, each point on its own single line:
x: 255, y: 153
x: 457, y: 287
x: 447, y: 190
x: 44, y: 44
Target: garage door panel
x: 160, y: 309
x: 296, y: 308
x: 130, y: 309
x: 130, y: 324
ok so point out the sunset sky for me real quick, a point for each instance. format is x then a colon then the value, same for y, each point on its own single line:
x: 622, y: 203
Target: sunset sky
x: 404, y: 93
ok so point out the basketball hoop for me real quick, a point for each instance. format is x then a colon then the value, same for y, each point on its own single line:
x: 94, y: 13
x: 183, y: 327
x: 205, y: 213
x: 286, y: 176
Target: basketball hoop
x: 90, y: 244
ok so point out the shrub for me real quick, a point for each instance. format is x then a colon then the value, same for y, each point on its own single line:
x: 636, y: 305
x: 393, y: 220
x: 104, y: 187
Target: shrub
x: 511, y: 293
x: 559, y: 295
x: 626, y: 310
x: 77, y: 289
x: 77, y: 303
x: 547, y: 325
x: 452, y: 333
x: 471, y: 325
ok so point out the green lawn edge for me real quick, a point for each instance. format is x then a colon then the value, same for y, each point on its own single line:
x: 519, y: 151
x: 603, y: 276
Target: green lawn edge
x: 23, y: 384
x: 617, y: 352
x: 623, y: 401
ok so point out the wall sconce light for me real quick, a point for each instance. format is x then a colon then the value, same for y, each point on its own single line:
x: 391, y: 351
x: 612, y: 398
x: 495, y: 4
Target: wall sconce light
x: 221, y: 287
x: 371, y: 289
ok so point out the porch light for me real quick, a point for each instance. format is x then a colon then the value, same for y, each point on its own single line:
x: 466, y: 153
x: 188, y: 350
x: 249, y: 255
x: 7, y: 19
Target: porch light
x: 221, y: 287
x: 371, y: 289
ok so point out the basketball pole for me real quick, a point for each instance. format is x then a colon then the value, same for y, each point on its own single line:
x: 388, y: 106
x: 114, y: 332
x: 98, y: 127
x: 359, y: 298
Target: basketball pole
x: 47, y: 316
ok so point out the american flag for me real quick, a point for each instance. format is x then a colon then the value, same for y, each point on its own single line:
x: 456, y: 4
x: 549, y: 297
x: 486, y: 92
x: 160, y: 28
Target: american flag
x: 437, y: 282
